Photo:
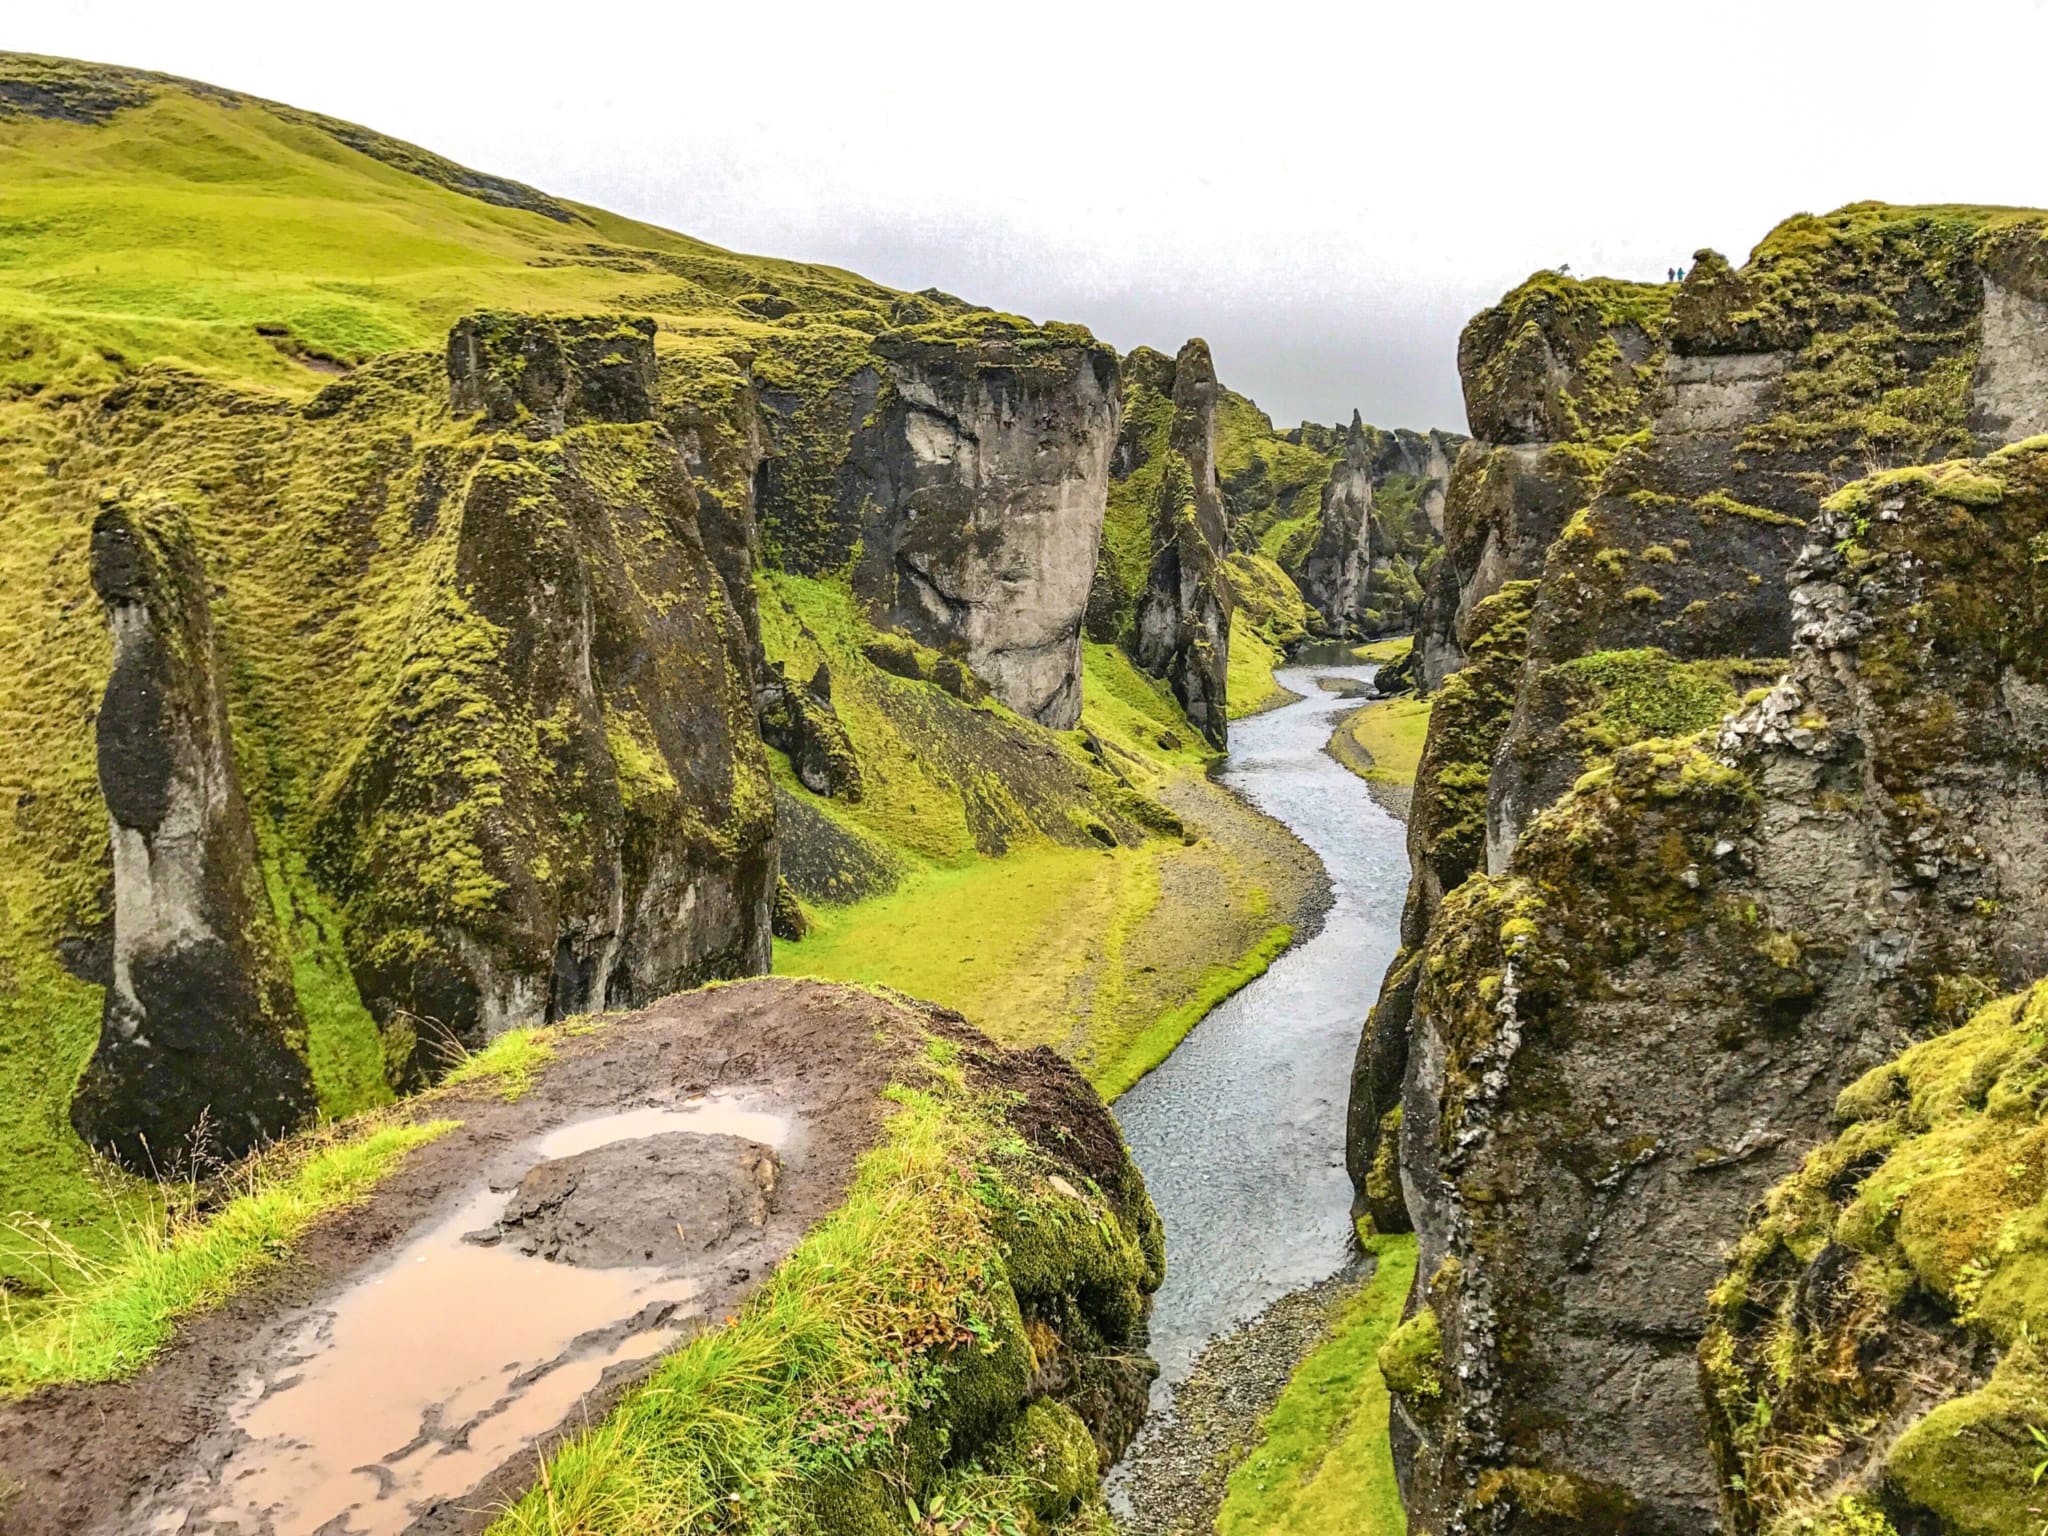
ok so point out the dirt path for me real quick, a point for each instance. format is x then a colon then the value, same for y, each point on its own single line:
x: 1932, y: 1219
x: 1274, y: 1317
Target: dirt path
x: 405, y: 1368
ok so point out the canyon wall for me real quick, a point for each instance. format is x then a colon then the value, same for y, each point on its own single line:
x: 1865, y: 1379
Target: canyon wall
x: 1161, y: 588
x: 979, y: 479
x: 1644, y: 964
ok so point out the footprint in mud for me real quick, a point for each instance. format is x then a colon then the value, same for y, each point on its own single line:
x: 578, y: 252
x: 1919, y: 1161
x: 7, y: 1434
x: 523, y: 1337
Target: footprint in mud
x: 403, y: 1395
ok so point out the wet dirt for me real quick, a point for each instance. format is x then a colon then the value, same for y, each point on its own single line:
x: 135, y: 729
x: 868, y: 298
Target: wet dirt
x: 406, y: 1369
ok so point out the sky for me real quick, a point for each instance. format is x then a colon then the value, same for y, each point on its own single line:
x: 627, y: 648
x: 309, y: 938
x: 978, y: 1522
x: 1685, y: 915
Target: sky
x: 1326, y: 192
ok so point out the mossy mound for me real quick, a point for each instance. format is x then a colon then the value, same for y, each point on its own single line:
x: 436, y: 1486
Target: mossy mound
x: 961, y: 1342
x: 1873, y: 1363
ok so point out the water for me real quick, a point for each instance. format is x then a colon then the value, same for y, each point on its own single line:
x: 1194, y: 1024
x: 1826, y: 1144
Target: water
x: 421, y: 1378
x: 1240, y: 1132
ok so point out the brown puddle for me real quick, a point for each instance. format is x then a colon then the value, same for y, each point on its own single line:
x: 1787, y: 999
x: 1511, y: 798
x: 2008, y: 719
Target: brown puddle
x: 413, y: 1386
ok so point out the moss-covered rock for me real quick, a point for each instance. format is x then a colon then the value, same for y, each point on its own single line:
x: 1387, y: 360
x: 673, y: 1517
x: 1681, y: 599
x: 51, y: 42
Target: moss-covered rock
x: 1622, y: 1039
x: 202, y: 1041
x: 1182, y: 630
x: 1873, y: 1347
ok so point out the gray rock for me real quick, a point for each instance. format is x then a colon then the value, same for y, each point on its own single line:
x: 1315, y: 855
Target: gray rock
x: 194, y: 1064
x: 1183, y: 627
x: 979, y: 480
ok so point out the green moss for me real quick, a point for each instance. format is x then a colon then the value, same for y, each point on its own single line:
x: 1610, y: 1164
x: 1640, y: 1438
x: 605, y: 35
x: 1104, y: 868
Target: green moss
x: 1272, y: 484
x: 1935, y: 1183
x: 1412, y: 1359
x: 1633, y: 695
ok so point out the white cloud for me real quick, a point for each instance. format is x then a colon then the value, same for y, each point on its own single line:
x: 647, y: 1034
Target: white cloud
x: 1326, y: 191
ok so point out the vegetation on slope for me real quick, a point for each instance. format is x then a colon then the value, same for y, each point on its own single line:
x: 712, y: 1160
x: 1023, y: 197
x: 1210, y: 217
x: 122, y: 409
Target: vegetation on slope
x: 1876, y: 1348
x: 1324, y: 1466
x: 110, y: 1315
x: 1060, y: 845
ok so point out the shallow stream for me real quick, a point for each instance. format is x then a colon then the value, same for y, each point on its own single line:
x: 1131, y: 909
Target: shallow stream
x: 1240, y: 1132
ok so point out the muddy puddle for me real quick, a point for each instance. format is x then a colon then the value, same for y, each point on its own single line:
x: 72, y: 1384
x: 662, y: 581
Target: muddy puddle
x: 404, y: 1393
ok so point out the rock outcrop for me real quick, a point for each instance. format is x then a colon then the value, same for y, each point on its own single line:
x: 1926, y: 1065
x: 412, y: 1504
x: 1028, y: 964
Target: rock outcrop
x: 1554, y: 376
x: 1565, y: 373
x: 578, y: 707
x: 965, y: 462
x: 201, y: 1041
x: 1639, y: 1015
x: 1335, y: 576
x: 430, y: 715
x: 1007, y: 1244
x: 1182, y: 633
x: 1378, y: 531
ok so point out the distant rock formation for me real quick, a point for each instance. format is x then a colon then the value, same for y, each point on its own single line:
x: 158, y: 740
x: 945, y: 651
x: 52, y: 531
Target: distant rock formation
x: 1183, y: 624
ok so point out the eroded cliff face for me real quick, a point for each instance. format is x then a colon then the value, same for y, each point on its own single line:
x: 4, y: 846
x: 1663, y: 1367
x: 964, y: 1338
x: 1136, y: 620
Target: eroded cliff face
x: 959, y: 461
x: 980, y: 478
x: 1182, y: 632
x: 1903, y: 772
x: 1554, y: 377
x: 1562, y: 370
x: 580, y: 703
x: 1639, y: 1015
x: 1335, y: 576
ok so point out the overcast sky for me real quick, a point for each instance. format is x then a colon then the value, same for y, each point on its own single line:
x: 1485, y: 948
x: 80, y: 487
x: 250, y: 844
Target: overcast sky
x: 1325, y: 191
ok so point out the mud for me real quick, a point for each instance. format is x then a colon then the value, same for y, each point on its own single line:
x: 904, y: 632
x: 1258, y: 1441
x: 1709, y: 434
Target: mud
x: 405, y: 1369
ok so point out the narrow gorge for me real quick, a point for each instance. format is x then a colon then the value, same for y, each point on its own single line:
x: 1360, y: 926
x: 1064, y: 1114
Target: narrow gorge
x: 650, y: 890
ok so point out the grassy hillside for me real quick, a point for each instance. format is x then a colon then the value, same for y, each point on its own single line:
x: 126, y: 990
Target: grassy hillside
x: 255, y: 241
x: 237, y: 308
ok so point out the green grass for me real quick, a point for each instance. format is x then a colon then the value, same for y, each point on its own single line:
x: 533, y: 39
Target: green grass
x: 1253, y: 658
x: 1324, y: 1467
x: 1153, y: 1044
x: 1389, y: 649
x: 1047, y: 944
x: 1383, y: 742
x: 112, y: 1315
x: 998, y: 939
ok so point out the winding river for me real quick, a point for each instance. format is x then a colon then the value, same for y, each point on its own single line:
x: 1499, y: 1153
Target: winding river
x: 1240, y: 1132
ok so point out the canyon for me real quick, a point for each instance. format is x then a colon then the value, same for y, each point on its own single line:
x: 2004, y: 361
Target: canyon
x: 687, y: 785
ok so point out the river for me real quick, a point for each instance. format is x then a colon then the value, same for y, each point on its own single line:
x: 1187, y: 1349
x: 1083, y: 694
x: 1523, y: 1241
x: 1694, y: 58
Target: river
x: 1240, y: 1132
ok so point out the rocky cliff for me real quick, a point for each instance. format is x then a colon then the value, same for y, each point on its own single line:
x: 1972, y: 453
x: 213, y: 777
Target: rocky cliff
x: 1636, y: 1015
x: 1161, y: 586
x: 1555, y: 376
x: 197, y: 990
x: 1182, y: 631
x: 974, y: 488
x: 1378, y: 530
x: 425, y: 687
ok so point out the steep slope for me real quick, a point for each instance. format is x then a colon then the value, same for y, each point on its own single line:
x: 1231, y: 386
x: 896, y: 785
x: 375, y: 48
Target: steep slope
x: 1637, y: 1017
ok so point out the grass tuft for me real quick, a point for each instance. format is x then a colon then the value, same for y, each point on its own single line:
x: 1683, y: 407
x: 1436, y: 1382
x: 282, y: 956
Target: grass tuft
x: 111, y: 1315
x: 1324, y: 1466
